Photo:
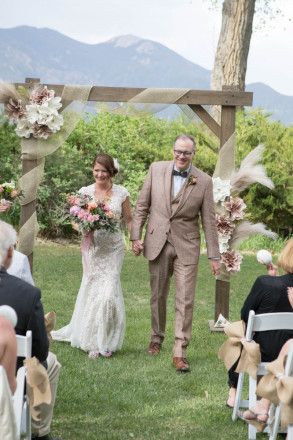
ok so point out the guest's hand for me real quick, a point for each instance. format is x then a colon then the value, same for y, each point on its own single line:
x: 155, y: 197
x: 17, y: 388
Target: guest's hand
x: 137, y: 247
x: 273, y: 270
x: 215, y: 266
x: 4, y: 207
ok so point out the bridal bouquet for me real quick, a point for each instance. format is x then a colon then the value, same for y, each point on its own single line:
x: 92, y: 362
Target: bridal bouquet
x: 8, y: 193
x: 90, y: 215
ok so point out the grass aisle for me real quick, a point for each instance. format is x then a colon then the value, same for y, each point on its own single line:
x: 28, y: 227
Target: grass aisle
x: 134, y: 395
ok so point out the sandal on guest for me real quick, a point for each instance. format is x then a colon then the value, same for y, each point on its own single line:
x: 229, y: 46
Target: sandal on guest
x: 107, y: 353
x: 93, y: 354
x: 259, y: 424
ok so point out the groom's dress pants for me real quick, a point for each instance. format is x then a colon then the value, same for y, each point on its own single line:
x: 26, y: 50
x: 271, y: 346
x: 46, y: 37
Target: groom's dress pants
x: 161, y: 269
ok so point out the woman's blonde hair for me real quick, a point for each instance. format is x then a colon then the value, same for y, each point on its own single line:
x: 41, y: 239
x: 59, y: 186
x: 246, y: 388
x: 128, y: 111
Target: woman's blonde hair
x: 285, y: 260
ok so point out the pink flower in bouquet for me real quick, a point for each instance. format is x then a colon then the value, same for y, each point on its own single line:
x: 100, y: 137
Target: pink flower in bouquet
x: 74, y: 210
x: 14, y: 193
x: 235, y: 207
x: 232, y: 261
x: 1, y: 188
x: 92, y: 205
x: 224, y: 226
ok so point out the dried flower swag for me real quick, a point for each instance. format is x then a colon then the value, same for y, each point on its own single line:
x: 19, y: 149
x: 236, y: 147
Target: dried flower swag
x: 231, y: 226
x: 35, y: 111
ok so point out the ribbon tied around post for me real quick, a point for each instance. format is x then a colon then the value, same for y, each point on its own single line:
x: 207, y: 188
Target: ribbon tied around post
x: 237, y: 347
x: 278, y: 388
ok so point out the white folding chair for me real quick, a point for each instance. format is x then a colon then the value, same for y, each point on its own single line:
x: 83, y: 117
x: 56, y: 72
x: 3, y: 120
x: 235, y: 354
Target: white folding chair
x: 288, y: 372
x: 8, y: 429
x: 258, y: 323
x: 21, y: 395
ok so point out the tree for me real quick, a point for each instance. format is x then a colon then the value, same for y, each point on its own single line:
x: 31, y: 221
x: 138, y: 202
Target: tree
x: 234, y: 41
x: 233, y: 45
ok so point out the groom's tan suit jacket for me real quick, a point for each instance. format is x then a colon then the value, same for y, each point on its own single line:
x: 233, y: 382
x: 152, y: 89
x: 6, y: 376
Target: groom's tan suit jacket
x: 176, y: 216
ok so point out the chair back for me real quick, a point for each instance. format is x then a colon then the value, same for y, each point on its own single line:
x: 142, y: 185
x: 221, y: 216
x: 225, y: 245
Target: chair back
x: 268, y: 321
x: 21, y: 395
x: 289, y: 362
x: 24, y: 345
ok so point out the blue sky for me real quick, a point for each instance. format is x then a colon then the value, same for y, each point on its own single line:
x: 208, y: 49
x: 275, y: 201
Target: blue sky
x: 188, y: 27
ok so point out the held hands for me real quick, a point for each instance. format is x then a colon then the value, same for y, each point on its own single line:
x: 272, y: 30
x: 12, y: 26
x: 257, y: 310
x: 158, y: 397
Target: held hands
x: 215, y: 266
x: 137, y: 247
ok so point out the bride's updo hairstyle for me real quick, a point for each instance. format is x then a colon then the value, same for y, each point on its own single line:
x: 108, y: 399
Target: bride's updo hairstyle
x: 107, y: 161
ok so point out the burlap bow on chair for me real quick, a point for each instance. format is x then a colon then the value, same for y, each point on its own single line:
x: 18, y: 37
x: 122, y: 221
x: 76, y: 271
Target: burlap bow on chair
x: 50, y: 321
x: 277, y: 387
x: 235, y: 346
x: 38, y: 380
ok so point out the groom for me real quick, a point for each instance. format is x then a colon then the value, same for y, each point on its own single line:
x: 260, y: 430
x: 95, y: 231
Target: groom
x: 173, y: 195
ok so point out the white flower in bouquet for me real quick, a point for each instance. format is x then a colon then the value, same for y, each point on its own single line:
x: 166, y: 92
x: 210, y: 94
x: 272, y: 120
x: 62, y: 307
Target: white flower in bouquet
x: 24, y: 128
x: 221, y: 189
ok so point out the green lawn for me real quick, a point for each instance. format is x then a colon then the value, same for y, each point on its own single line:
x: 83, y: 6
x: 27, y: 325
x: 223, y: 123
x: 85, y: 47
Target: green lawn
x: 134, y: 395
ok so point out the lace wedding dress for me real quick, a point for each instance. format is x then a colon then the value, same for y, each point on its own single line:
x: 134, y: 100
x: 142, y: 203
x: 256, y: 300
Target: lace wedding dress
x: 98, y: 321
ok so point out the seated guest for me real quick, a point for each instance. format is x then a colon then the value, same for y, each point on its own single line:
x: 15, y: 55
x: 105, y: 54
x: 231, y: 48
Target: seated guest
x: 25, y: 299
x: 20, y: 267
x: 258, y: 414
x: 8, y: 345
x: 269, y: 294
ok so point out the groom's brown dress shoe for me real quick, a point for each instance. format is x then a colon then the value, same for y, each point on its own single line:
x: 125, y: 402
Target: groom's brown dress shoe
x: 154, y: 348
x: 181, y: 364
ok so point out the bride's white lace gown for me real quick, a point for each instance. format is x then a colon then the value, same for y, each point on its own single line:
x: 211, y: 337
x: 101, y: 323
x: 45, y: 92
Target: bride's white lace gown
x: 98, y: 321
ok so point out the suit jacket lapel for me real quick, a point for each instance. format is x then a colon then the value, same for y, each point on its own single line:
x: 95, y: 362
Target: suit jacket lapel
x: 168, y: 186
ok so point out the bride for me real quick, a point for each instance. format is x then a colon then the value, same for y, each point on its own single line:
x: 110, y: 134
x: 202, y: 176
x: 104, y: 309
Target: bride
x: 98, y: 321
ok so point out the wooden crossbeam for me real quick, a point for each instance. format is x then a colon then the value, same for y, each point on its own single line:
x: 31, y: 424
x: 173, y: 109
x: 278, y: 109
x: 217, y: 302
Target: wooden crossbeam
x: 207, y: 119
x: 124, y: 94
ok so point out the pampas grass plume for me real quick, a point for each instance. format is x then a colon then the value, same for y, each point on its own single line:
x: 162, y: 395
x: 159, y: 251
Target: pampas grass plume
x: 250, y: 172
x: 7, y: 91
x: 245, y: 229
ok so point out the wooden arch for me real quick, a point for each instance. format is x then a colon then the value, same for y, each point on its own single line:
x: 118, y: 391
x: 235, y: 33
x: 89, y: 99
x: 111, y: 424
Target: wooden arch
x: 228, y: 99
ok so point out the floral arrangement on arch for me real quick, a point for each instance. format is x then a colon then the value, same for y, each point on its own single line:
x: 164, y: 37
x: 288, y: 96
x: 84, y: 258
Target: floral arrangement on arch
x: 89, y: 215
x: 230, y: 209
x: 34, y: 111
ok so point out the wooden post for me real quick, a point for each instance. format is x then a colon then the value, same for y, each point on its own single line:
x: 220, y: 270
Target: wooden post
x: 27, y: 165
x: 228, y: 115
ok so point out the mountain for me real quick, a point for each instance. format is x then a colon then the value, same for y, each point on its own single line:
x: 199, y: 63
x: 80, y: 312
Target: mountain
x: 125, y: 61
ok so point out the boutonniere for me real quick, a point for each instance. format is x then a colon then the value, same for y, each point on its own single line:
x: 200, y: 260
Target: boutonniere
x: 192, y: 180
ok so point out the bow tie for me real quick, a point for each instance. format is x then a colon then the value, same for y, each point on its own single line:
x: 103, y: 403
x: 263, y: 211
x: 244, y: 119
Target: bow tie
x: 180, y: 173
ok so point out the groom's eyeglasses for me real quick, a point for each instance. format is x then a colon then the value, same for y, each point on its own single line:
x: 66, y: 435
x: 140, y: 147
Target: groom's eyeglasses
x: 185, y: 153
